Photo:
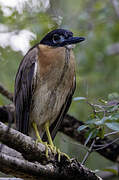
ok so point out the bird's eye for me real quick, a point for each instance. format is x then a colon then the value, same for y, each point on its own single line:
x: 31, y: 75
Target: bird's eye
x: 56, y: 38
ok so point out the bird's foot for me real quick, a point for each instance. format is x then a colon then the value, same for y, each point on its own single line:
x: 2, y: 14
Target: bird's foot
x: 46, y: 146
x: 56, y: 150
x: 62, y: 154
x: 53, y: 149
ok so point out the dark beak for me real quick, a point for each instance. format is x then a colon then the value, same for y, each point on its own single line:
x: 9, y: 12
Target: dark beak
x: 72, y: 40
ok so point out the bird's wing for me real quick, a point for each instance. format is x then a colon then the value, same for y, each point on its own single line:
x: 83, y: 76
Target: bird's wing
x: 24, y: 86
x: 65, y: 107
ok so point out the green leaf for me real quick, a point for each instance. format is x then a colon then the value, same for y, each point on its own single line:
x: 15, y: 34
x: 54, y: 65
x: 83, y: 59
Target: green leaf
x: 104, y: 120
x: 101, y: 132
x: 116, y: 116
x: 79, y: 98
x: 92, y: 121
x: 92, y: 134
x: 114, y: 171
x: 82, y: 127
x: 114, y: 108
x: 95, y: 132
x: 92, y: 116
x: 113, y: 125
x: 103, y: 101
x: 97, y: 121
x: 113, y: 96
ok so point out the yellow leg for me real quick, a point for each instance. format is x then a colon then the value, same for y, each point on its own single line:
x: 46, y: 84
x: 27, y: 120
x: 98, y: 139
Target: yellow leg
x: 39, y: 138
x: 52, y: 147
x: 48, y: 133
x: 37, y: 133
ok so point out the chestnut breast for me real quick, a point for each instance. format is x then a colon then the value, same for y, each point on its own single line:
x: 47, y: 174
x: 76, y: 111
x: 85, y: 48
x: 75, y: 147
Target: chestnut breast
x: 55, y: 79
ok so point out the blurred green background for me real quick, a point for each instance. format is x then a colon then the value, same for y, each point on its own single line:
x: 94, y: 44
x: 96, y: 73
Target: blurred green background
x: 23, y: 23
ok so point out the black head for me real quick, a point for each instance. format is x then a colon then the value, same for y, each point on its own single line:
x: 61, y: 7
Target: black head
x: 60, y: 38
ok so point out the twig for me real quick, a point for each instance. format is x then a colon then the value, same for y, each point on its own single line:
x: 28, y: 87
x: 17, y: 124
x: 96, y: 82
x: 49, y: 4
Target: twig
x: 94, y: 111
x: 106, y: 145
x: 111, y: 133
x: 6, y: 93
x: 88, y: 153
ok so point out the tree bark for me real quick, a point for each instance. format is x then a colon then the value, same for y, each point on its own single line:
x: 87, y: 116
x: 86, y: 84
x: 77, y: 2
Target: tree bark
x: 29, y: 160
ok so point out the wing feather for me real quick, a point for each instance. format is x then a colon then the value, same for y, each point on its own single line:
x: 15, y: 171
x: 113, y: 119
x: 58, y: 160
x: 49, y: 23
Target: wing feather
x: 24, y: 90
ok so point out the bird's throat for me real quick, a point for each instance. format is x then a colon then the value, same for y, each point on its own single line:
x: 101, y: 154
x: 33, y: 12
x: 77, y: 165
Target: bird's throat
x: 67, y: 54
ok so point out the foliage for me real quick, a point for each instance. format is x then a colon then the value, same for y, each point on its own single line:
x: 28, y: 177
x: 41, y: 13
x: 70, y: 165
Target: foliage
x: 104, y: 115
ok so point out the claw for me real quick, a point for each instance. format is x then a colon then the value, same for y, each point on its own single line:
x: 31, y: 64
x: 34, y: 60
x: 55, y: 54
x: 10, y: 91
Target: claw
x: 46, y: 146
x: 39, y: 140
x: 62, y: 154
x: 51, y: 146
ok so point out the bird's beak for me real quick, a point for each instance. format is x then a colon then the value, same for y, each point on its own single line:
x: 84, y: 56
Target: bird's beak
x: 72, y: 40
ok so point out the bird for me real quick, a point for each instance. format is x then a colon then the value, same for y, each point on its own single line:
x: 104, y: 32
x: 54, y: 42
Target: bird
x: 44, y: 85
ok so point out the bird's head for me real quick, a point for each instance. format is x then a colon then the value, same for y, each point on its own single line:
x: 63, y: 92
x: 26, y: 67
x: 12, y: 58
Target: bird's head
x: 60, y: 38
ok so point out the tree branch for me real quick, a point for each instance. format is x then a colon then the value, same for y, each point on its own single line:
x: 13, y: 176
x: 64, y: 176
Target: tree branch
x: 35, y: 154
x: 22, y: 143
x: 25, y: 169
x: 7, y: 113
x: 69, y: 127
x: 6, y: 93
x: 11, y: 178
